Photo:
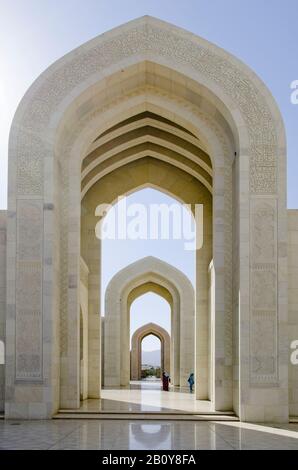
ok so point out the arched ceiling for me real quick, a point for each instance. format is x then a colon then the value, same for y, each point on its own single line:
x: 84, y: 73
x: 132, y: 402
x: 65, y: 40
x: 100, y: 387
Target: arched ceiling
x: 143, y: 135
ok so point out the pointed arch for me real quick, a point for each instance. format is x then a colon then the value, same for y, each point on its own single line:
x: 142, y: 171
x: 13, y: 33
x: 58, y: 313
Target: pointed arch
x: 228, y: 109
x: 136, y: 348
x: 121, y: 291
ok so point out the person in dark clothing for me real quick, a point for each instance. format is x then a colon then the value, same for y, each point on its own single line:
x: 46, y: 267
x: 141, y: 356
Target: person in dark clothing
x: 191, y: 381
x: 165, y: 381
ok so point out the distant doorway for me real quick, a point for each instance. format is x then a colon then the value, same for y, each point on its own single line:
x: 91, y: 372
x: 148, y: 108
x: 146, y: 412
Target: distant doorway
x: 136, y: 350
x: 150, y: 358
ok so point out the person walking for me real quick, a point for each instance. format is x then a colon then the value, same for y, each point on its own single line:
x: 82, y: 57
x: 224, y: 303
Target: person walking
x: 191, y: 381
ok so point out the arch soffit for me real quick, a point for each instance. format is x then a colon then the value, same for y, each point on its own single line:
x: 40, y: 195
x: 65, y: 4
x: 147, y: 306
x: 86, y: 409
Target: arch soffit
x: 149, y: 286
x: 150, y: 138
x: 214, y: 136
x: 104, y: 191
x: 208, y: 133
x: 123, y: 162
x: 217, y: 141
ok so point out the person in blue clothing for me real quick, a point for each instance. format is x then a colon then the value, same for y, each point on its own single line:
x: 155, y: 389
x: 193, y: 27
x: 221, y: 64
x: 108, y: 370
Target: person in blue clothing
x: 191, y: 381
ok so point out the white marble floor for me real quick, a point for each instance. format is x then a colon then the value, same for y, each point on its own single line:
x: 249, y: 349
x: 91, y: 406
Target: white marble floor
x: 87, y: 434
x: 146, y: 397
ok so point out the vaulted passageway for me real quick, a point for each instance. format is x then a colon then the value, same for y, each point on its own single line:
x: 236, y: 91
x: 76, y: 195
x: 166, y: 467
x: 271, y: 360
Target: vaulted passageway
x: 147, y: 105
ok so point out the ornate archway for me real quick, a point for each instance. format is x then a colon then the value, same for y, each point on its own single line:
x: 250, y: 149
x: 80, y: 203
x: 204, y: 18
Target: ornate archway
x: 148, y: 274
x: 136, y: 349
x: 235, y: 156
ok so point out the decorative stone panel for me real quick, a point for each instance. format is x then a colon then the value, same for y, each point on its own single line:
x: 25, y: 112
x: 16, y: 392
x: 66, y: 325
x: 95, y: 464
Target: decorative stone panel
x: 264, y: 319
x: 29, y: 290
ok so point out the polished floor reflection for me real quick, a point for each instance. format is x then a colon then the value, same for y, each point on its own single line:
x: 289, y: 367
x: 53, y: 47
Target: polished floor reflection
x: 87, y: 434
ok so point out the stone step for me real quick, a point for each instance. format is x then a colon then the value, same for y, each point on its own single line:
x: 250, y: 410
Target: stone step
x: 147, y: 416
x: 142, y: 412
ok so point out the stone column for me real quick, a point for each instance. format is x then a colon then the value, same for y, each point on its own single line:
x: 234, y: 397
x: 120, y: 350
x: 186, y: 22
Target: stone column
x: 3, y: 221
x: 84, y: 273
x: 32, y: 309
x: 175, y: 341
x: 264, y: 348
x: 94, y: 315
x: 203, y: 258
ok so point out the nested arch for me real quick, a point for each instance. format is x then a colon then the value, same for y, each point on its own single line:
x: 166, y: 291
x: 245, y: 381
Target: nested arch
x: 155, y: 284
x: 164, y: 177
x: 60, y: 117
x: 148, y: 271
x: 136, y: 348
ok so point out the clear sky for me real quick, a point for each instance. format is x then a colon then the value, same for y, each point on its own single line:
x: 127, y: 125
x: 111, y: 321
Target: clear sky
x: 262, y: 33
